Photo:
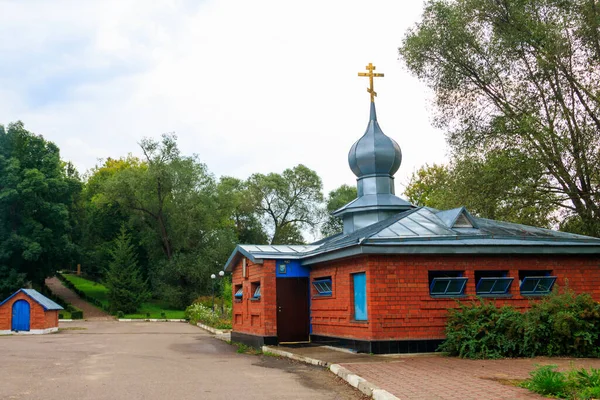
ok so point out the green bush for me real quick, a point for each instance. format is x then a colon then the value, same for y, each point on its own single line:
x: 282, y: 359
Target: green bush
x: 561, y: 324
x: 61, y: 316
x: 76, y: 314
x: 198, y: 312
x: 120, y: 314
x: 482, y: 330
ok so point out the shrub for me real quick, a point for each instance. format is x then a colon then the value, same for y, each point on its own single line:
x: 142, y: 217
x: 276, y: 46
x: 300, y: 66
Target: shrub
x: 562, y: 324
x: 61, y: 316
x: 199, y: 313
x: 120, y: 314
x: 482, y: 330
x: 76, y: 314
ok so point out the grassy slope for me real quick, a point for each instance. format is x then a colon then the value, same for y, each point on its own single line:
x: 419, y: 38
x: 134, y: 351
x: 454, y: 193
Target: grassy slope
x: 100, y: 292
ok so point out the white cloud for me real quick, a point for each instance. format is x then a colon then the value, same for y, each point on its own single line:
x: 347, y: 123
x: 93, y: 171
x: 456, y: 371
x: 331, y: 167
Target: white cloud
x: 250, y: 86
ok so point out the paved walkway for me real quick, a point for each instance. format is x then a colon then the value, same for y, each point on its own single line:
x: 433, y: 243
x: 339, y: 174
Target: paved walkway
x: 108, y: 360
x: 428, y: 377
x: 90, y: 312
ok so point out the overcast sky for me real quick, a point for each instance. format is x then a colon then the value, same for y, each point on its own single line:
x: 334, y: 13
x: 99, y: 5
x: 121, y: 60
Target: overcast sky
x: 249, y: 86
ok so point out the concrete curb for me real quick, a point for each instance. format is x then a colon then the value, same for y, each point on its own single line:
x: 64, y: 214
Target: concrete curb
x: 308, y: 360
x: 354, y: 380
x: 212, y: 330
x: 149, y: 320
x: 66, y: 320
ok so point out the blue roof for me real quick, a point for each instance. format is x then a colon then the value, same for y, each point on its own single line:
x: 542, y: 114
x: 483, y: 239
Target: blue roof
x: 428, y: 231
x: 39, y: 298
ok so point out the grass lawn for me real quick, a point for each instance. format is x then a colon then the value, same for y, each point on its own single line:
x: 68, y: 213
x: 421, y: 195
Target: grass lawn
x: 93, y: 290
x: 99, y: 292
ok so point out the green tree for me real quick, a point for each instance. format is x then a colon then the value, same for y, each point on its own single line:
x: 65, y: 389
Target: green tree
x: 172, y: 204
x: 35, y: 197
x: 127, y: 290
x: 239, y: 206
x: 337, y: 198
x: 520, y: 75
x: 288, y: 202
x: 502, y: 187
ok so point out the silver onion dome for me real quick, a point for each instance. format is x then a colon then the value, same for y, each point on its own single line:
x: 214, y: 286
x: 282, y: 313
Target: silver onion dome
x: 374, y: 153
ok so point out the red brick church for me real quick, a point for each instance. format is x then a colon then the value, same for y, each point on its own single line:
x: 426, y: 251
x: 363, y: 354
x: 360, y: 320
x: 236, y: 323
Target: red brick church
x: 385, y: 283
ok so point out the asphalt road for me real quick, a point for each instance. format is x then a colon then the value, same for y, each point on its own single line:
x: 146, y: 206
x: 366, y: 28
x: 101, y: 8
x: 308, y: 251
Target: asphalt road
x: 120, y: 360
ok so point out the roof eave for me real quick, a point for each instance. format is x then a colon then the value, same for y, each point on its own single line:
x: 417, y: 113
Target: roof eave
x: 451, y: 248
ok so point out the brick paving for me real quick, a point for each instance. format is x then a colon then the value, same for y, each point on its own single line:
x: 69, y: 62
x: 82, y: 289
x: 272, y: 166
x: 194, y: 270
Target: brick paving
x: 435, y: 378
x: 90, y: 312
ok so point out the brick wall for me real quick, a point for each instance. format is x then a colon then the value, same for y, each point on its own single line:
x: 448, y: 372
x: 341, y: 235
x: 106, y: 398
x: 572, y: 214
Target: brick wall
x: 398, y: 302
x: 38, y: 318
x: 256, y: 317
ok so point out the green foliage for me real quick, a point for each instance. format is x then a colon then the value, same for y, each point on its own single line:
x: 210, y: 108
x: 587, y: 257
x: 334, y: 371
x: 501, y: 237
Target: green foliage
x: 199, y: 312
x: 561, y: 324
x: 337, y: 199
x: 500, y: 185
x: 576, y: 384
x: 86, y: 289
x: 546, y: 381
x: 36, y: 194
x: 10, y: 281
x: 482, y: 330
x: 120, y: 314
x: 521, y: 76
x: 127, y: 290
x: 288, y: 202
x: 76, y: 313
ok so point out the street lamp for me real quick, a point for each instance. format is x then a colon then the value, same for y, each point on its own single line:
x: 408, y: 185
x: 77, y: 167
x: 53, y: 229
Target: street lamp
x: 213, y: 277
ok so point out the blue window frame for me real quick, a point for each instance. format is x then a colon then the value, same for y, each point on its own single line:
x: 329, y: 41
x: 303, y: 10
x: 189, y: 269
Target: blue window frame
x: 493, y: 285
x: 323, y: 286
x: 537, y: 285
x: 360, y: 296
x: 448, y: 286
x: 239, y: 293
x: 256, y: 295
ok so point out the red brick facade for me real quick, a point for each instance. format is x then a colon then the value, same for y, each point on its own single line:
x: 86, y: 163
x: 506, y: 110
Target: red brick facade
x: 255, y: 317
x: 399, y: 305
x: 39, y: 318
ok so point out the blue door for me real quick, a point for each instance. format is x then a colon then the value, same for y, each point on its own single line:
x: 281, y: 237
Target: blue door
x: 20, y: 316
x: 360, y: 296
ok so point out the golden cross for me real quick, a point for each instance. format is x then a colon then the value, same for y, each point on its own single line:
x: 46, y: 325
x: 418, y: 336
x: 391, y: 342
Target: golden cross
x: 371, y: 75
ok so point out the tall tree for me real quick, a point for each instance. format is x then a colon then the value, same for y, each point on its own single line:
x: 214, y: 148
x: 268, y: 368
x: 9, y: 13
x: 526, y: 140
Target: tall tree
x: 127, y: 289
x: 288, y: 202
x: 241, y: 208
x: 35, y: 196
x: 502, y: 186
x: 521, y: 75
x: 171, y: 202
x: 337, y: 198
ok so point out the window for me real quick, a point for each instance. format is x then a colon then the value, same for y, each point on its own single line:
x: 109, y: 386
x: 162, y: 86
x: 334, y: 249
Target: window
x: 256, y: 290
x: 491, y: 283
x: 536, y: 282
x: 360, y: 296
x: 239, y: 292
x: 323, y: 286
x: 447, y: 283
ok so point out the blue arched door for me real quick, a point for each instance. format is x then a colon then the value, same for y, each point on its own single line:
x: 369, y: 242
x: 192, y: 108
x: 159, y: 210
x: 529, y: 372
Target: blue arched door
x: 20, y: 316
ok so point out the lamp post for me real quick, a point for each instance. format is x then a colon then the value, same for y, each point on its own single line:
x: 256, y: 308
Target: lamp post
x: 213, y: 277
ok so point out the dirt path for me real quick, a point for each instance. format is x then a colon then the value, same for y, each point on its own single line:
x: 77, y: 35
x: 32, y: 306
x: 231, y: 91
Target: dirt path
x: 90, y: 312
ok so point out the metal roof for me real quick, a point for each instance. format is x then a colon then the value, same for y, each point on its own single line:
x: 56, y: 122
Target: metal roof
x: 374, y: 153
x: 429, y: 231
x: 39, y: 298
